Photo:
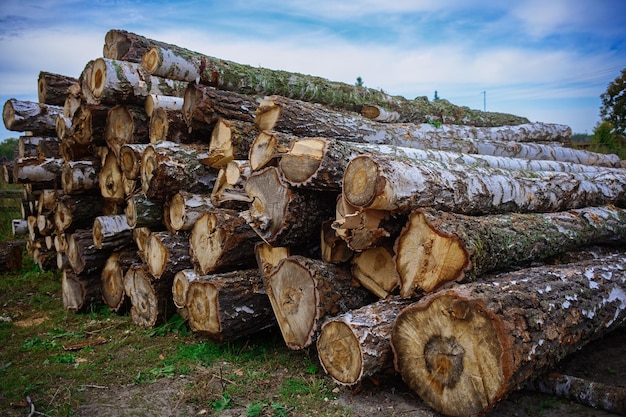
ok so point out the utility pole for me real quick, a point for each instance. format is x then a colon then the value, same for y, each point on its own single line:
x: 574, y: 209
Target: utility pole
x: 484, y: 100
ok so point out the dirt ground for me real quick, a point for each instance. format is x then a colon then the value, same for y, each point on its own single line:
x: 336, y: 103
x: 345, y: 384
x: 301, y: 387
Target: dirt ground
x: 602, y: 361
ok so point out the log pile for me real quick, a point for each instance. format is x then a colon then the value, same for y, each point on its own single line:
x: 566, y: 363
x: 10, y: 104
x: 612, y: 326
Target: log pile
x: 244, y: 198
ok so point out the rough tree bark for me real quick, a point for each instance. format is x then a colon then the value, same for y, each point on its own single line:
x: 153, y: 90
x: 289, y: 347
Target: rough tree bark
x: 28, y: 116
x: 127, y: 46
x: 229, y: 306
x: 404, y: 185
x: 222, y: 240
x: 303, y: 291
x: 182, y: 64
x: 435, y: 247
x: 52, y: 88
x: 141, y: 211
x: 112, y: 232
x: 82, y: 254
x: 356, y: 344
x: 167, y: 253
x: 80, y: 176
x: 465, y: 348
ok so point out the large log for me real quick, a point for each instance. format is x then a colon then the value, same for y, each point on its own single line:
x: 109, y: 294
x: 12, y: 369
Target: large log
x: 386, y: 183
x: 229, y: 306
x: 182, y: 64
x: 112, y: 278
x: 167, y: 253
x: 141, y: 211
x: 435, y: 247
x: 80, y: 291
x: 221, y: 240
x: 83, y: 256
x: 76, y: 211
x: 167, y: 167
x: 52, y: 88
x: 150, y: 298
x: 356, y: 344
x: 303, y: 291
x: 111, y: 232
x: 28, y: 116
x: 282, y: 215
x: 465, y: 348
x: 112, y: 81
x: 127, y: 46
x: 80, y: 176
x: 306, y: 119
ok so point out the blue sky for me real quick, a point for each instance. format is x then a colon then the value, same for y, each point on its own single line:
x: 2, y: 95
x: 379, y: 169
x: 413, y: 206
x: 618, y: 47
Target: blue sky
x: 547, y: 60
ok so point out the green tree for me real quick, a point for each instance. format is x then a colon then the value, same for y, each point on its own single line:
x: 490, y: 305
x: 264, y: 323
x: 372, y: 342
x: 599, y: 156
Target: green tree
x: 359, y: 82
x: 613, y: 107
x: 8, y: 148
x: 436, y: 96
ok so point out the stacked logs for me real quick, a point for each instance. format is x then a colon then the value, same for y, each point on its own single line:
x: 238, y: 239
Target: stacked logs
x: 162, y: 180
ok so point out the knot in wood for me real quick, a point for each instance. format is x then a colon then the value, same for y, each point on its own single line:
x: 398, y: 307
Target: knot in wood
x: 444, y: 360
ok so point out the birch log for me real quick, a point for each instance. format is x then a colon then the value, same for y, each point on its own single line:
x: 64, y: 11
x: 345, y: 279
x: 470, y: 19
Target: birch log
x: 465, y: 348
x: 127, y: 46
x: 80, y: 176
x: 182, y: 64
x: 111, y: 232
x: 28, y: 116
x: 32, y: 170
x: 403, y: 185
x: 185, y: 208
x: 157, y: 101
x: 438, y: 247
x: 306, y: 119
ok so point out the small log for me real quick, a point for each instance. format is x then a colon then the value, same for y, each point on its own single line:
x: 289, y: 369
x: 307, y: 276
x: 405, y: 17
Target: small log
x: 130, y: 159
x: 45, y: 224
x: 403, y: 185
x: 112, y: 278
x: 62, y: 127
x: 182, y: 64
x: 76, y: 211
x: 44, y: 173
x: 180, y: 286
x: 230, y: 140
x: 73, y: 100
x: 185, y: 208
x: 143, y: 212
x: 504, y: 331
x: 111, y: 232
x: 157, y: 101
x: 80, y: 176
x: 126, y: 124
x: 110, y: 178
x: 28, y: 116
x: 167, y: 124
x: 40, y: 146
x: 52, y: 88
x: 228, y: 306
x: 127, y: 46
x: 309, y: 120
x: 222, y: 240
x: 167, y: 167
x: 112, y: 81
x: 83, y: 256
x: 167, y: 253
x: 27, y: 146
x: 74, y: 151
x: 80, y: 291
x: 141, y: 236
x: 375, y: 269
x: 150, y: 298
x: 303, y: 291
x: 605, y: 397
x: 356, y: 344
x: 284, y: 216
x: 11, y: 255
x: 435, y: 248
x: 46, y: 203
x: 268, y: 146
x: 334, y: 248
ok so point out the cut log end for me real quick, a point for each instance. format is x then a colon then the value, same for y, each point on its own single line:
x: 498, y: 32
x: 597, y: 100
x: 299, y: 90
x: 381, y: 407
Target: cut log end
x: 151, y: 60
x: 449, y: 351
x: 340, y: 353
x: 206, y: 240
x: 203, y: 308
x: 361, y: 181
x: 98, y: 77
x: 303, y: 160
x: 263, y: 150
x: 8, y: 114
x: 426, y: 258
x: 267, y: 114
x: 376, y: 270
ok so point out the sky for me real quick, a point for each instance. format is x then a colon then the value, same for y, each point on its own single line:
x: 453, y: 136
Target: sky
x: 547, y: 60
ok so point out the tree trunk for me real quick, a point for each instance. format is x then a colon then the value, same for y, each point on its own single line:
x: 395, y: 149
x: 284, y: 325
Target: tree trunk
x: 305, y: 119
x: 167, y: 167
x: 111, y: 232
x: 403, y: 185
x: 127, y: 46
x: 76, y: 211
x: 44, y: 173
x: 185, y: 208
x: 599, y: 396
x: 356, y: 344
x: 222, y: 240
x: 204, y: 106
x: 28, y: 116
x: 284, y: 216
x: 114, y: 82
x: 303, y: 291
x: 230, y: 140
x: 143, y: 212
x: 80, y: 176
x: 159, y: 101
x: 110, y: 178
x: 52, y: 88
x: 229, y: 306
x: 166, y: 254
x: 150, y: 298
x: 126, y: 124
x: 112, y: 278
x: 182, y: 64
x: 465, y: 348
x: 375, y: 269
x: 80, y: 291
x: 84, y: 257
x: 437, y: 247
x: 11, y: 255
x: 130, y: 159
